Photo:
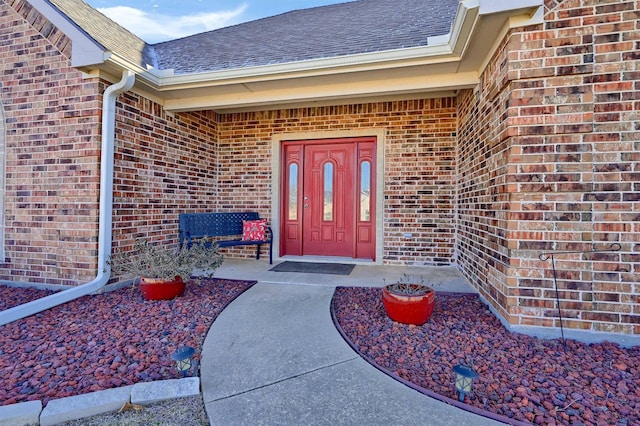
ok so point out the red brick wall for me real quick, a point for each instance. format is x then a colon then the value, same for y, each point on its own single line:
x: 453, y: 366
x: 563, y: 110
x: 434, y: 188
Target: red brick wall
x: 419, y: 167
x: 164, y: 165
x: 52, y: 144
x: 483, y: 196
x: 543, y: 156
x: 558, y: 170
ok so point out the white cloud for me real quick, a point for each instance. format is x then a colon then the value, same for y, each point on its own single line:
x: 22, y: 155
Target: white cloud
x: 154, y: 27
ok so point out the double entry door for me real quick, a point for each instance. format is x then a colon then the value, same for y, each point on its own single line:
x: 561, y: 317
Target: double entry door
x: 328, y: 198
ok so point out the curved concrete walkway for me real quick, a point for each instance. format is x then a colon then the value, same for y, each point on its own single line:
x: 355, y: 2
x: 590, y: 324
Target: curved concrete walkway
x: 274, y: 357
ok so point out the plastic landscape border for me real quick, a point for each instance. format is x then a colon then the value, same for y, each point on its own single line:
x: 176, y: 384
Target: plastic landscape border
x: 424, y: 391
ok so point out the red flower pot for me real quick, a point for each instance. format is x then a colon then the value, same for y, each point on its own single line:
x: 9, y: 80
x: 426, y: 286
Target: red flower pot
x: 408, y: 308
x: 156, y: 289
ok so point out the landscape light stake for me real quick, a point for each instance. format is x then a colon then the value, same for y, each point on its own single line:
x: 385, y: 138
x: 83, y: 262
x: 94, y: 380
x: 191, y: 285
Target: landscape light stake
x: 552, y: 255
x: 465, y: 376
x: 182, y: 357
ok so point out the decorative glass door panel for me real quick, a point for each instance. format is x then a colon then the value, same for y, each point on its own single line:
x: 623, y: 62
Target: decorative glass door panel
x: 291, y: 231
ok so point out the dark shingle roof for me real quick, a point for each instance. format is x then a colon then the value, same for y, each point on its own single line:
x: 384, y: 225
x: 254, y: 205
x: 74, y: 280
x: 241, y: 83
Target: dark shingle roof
x: 323, y: 32
x: 110, y: 35
x: 361, y: 26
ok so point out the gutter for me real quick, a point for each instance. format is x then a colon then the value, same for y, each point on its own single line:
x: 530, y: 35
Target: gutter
x: 106, y: 212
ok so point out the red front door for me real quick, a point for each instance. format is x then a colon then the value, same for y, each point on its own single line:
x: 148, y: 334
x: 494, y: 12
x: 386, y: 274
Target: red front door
x: 327, y: 198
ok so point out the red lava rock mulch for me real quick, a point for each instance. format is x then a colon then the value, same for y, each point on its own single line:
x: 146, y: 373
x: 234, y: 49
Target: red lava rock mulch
x: 103, y: 341
x: 10, y: 298
x: 522, y: 378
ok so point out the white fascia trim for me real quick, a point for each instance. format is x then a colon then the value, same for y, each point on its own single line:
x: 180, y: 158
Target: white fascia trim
x: 315, y: 67
x: 521, y: 21
x: 471, y: 11
x: 466, y: 19
x: 516, y: 22
x: 488, y: 7
x: 85, y: 50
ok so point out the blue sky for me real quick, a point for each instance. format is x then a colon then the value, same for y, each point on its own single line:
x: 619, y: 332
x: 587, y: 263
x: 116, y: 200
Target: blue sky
x: 160, y: 20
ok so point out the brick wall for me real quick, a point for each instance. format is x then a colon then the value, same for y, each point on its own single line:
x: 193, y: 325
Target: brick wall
x: 542, y: 156
x: 164, y: 165
x: 558, y: 169
x: 51, y: 148
x: 483, y: 197
x: 419, y: 167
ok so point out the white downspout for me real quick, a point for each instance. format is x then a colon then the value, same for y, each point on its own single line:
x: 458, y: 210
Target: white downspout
x: 106, y: 211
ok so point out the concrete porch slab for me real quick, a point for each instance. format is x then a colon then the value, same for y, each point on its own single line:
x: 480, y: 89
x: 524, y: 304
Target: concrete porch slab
x: 442, y: 278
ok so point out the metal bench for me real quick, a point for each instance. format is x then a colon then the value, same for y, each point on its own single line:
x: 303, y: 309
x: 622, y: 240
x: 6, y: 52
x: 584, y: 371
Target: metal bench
x: 200, y: 225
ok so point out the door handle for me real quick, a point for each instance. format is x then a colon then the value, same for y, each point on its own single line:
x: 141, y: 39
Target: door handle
x: 306, y: 206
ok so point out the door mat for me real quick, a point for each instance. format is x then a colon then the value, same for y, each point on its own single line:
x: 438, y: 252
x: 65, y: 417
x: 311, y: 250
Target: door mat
x: 314, y: 268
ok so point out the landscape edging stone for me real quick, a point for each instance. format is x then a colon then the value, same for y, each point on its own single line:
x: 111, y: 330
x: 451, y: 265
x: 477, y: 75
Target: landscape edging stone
x: 95, y: 403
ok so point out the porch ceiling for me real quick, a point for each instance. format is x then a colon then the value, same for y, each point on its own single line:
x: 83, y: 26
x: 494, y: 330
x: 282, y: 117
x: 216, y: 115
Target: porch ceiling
x: 447, y: 64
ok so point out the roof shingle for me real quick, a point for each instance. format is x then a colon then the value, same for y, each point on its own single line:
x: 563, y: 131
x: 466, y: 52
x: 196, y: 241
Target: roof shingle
x: 106, y: 32
x: 362, y: 26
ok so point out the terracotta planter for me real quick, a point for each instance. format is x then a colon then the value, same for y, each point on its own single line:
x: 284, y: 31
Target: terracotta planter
x: 156, y: 289
x: 408, y: 309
